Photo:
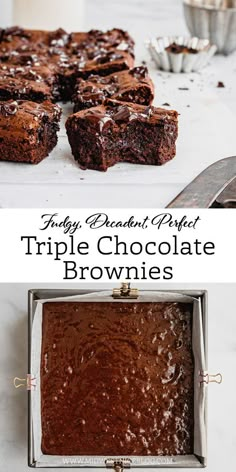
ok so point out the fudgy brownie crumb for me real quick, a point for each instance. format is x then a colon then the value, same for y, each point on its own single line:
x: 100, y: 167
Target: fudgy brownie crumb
x: 122, y: 132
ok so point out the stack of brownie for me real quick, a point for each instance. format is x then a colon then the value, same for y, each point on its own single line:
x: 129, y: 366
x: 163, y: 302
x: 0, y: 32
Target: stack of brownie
x: 113, y: 118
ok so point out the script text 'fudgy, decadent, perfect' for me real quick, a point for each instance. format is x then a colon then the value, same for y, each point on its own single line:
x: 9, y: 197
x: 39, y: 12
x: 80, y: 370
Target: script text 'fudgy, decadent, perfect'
x: 102, y: 220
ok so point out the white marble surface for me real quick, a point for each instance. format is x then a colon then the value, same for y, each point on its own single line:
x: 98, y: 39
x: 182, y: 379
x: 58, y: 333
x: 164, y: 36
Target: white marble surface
x: 207, y: 126
x: 222, y: 357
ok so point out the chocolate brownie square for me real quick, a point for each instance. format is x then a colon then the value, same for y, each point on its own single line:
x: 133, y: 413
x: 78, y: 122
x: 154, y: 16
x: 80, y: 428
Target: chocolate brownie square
x: 20, y: 39
x: 117, y: 379
x: 36, y: 83
x: 30, y: 47
x: 122, y: 132
x: 133, y: 85
x: 28, y: 130
x: 103, y: 62
x: 97, y: 39
x: 17, y: 40
x: 21, y: 89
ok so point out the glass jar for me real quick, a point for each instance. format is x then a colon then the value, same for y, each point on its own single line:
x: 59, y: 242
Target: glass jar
x: 49, y: 14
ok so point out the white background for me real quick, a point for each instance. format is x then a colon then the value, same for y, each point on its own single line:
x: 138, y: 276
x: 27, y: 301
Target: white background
x: 215, y: 225
x: 222, y: 358
x: 209, y: 134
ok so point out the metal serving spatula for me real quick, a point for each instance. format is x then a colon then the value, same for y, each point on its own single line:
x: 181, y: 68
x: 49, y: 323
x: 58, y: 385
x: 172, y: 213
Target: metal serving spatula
x: 215, y: 187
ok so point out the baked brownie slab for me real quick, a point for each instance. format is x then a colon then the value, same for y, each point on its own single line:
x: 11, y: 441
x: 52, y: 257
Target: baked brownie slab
x: 72, y: 55
x: 122, y: 132
x: 69, y: 67
x: 133, y: 85
x: 28, y: 130
x: 117, y: 379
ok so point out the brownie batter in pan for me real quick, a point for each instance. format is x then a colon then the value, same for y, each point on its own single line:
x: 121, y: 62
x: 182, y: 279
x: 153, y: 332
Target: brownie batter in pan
x: 117, y: 379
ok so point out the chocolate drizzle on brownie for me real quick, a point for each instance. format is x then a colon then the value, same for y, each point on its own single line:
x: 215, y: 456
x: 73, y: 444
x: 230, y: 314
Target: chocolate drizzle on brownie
x: 9, y: 108
x: 105, y: 56
x: 139, y: 72
x: 126, y: 113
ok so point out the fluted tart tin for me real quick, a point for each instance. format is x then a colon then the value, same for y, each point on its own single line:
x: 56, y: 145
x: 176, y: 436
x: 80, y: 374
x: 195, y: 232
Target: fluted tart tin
x: 179, y: 54
x: 134, y: 306
x: 214, y: 20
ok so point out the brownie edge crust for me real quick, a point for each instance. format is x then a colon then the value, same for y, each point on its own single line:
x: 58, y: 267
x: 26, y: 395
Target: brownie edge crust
x: 117, y: 379
x: 28, y: 130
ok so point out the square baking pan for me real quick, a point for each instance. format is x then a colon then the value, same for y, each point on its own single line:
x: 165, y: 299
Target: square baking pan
x: 36, y: 299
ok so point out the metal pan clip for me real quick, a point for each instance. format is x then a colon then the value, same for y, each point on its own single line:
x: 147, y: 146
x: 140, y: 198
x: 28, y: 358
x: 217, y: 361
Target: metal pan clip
x: 206, y: 378
x: 29, y: 382
x: 118, y: 464
x: 125, y: 291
